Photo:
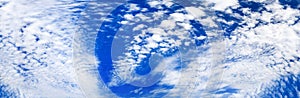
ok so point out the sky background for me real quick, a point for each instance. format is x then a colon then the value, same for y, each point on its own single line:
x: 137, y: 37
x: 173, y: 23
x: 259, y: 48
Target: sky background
x: 47, y: 48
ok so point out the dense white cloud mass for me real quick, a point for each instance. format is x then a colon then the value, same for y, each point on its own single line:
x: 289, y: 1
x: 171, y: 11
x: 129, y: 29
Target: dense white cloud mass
x: 46, y: 50
x: 36, y: 48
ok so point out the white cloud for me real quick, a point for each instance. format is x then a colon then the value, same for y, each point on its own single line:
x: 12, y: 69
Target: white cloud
x: 39, y: 64
x: 167, y: 24
x: 129, y: 16
x: 178, y: 16
x: 222, y: 5
x: 196, y: 12
x: 139, y: 27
